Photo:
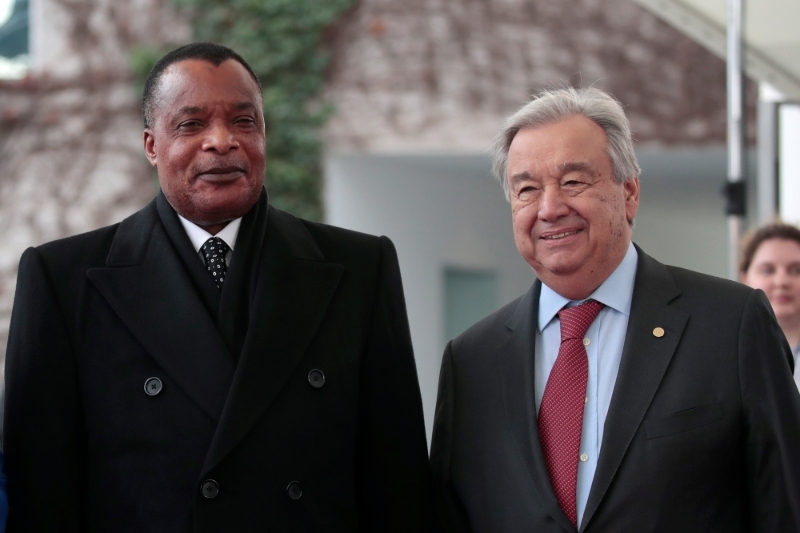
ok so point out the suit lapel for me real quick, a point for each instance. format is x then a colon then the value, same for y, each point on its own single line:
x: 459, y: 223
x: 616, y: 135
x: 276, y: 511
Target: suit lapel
x: 146, y: 285
x: 516, y: 362
x: 237, y: 293
x: 645, y: 359
x: 292, y: 293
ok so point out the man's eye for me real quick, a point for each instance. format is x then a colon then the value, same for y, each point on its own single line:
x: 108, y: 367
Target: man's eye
x: 245, y: 121
x: 527, y: 193
x: 189, y: 124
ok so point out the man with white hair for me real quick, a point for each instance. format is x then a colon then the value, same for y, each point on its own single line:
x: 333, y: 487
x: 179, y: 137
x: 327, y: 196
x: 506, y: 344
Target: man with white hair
x: 617, y: 394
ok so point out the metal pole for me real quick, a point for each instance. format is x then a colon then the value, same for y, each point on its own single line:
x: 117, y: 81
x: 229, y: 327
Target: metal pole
x: 766, y: 195
x: 735, y: 185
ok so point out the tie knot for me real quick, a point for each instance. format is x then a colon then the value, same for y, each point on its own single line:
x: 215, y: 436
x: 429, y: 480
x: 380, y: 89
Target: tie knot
x: 575, y: 321
x: 214, y: 248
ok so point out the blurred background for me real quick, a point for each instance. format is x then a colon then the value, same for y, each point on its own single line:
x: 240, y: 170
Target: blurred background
x: 380, y: 114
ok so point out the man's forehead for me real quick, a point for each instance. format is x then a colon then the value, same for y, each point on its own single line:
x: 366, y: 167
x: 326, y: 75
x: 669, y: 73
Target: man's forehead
x: 560, y: 132
x: 203, y: 70
x: 185, y: 84
x: 567, y: 145
x: 197, y: 62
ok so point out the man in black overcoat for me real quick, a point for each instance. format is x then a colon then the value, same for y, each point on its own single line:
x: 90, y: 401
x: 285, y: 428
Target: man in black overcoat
x: 212, y: 363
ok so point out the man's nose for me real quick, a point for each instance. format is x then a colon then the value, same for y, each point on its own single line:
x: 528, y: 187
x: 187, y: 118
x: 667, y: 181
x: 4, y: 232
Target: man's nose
x: 552, y: 203
x: 220, y: 139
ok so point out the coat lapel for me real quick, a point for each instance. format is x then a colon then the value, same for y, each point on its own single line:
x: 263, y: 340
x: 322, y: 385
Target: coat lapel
x: 146, y: 285
x: 292, y: 293
x: 645, y: 359
x: 516, y: 362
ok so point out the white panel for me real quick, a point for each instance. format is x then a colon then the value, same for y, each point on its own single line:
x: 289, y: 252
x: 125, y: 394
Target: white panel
x: 789, y: 171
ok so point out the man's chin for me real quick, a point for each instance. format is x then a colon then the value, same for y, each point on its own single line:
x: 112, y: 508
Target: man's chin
x: 218, y: 215
x: 211, y: 212
x: 562, y: 264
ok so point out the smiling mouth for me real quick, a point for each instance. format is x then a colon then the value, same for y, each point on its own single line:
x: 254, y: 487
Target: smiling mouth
x: 560, y: 235
x: 221, y: 174
x: 221, y: 170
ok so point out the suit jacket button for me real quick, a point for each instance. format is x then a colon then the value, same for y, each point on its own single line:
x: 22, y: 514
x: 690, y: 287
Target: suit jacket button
x: 316, y: 378
x: 153, y: 386
x: 294, y: 490
x: 210, y: 489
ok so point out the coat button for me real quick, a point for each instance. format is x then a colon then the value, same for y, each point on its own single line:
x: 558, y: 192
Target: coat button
x: 294, y: 490
x: 316, y: 378
x: 210, y: 489
x: 152, y: 386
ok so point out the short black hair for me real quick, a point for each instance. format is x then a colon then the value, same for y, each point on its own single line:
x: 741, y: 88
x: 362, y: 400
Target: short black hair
x: 214, y: 53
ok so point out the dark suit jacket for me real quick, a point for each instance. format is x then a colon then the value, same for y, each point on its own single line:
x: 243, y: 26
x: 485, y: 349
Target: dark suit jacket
x: 702, y: 434
x: 98, y: 314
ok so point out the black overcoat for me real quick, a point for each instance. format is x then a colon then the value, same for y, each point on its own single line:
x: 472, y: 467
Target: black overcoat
x: 316, y: 425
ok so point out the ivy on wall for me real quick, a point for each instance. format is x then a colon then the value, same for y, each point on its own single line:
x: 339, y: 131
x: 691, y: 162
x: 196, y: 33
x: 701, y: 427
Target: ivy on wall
x: 283, y: 42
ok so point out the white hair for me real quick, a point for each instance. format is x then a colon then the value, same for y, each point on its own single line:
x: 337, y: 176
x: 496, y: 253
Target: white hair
x: 553, y: 105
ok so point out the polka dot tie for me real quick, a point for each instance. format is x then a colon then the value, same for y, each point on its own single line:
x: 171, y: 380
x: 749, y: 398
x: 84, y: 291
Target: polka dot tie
x: 214, y: 250
x: 561, y: 412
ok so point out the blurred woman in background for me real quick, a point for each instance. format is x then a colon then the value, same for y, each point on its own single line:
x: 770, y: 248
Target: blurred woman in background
x: 771, y: 262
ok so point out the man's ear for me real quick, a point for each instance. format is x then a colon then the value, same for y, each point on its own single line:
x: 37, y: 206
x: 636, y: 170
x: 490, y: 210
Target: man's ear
x: 150, y: 146
x: 631, y: 187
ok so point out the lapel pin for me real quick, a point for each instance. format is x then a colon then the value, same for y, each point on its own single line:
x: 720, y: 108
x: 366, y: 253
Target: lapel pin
x: 658, y: 332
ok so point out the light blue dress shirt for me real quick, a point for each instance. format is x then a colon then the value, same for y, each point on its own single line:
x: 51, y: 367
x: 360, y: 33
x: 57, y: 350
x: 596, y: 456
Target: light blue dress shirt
x: 606, y: 338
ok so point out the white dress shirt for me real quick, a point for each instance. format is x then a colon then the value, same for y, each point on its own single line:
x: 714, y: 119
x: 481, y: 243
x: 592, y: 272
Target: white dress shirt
x: 606, y: 338
x: 199, y: 236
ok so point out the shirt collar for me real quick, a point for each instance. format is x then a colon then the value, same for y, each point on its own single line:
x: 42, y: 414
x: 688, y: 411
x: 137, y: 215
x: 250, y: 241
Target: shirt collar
x: 199, y: 236
x: 616, y: 291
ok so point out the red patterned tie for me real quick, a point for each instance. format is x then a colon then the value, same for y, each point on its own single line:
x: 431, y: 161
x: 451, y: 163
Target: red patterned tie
x: 561, y: 412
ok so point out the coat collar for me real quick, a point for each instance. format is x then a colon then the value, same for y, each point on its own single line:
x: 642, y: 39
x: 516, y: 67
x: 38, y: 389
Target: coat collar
x: 146, y: 284
x: 192, y: 264
x: 294, y: 288
x: 515, y: 356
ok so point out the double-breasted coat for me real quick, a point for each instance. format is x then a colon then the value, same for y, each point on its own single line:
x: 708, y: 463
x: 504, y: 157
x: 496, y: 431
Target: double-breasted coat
x: 132, y: 406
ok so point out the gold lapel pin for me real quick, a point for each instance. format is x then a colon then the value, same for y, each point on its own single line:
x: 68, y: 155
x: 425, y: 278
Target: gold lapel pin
x: 658, y: 332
